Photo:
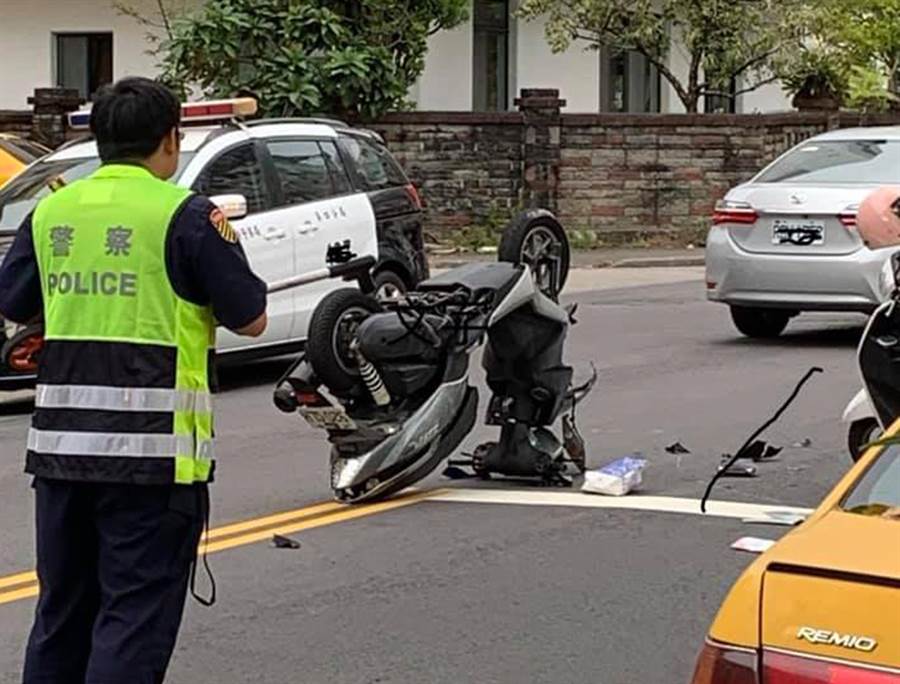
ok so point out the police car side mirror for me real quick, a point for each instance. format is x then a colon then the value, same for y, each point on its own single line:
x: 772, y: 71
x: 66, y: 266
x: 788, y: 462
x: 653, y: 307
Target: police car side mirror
x: 233, y: 206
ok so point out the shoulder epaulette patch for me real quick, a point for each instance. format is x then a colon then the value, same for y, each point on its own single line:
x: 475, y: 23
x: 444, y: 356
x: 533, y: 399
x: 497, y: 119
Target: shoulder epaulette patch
x: 222, y: 226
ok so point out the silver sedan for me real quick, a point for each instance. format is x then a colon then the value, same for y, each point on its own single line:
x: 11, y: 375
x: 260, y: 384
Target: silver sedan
x: 786, y: 241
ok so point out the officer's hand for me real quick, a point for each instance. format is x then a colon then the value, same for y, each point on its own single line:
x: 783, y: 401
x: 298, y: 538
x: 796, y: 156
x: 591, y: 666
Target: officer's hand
x: 256, y: 328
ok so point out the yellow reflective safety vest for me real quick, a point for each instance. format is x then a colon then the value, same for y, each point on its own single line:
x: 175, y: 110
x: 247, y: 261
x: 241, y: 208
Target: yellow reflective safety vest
x: 123, y: 385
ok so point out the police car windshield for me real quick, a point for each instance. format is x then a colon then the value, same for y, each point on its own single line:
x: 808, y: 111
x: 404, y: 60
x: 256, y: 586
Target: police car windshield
x: 22, y: 193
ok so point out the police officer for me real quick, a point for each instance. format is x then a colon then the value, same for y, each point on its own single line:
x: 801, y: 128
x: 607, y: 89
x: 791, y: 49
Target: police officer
x: 132, y: 274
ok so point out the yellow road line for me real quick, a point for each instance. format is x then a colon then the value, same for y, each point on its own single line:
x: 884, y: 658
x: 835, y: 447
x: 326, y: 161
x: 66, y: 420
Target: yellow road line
x: 247, y: 532
x: 12, y: 580
x: 254, y: 523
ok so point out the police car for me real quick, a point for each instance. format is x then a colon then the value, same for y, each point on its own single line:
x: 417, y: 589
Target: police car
x: 290, y: 187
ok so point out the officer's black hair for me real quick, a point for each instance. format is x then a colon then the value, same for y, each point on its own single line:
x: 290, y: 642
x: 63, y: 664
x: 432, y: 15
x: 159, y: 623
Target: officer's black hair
x: 131, y: 117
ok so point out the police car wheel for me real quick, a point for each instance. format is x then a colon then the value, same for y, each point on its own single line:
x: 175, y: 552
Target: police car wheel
x: 389, y: 286
x: 332, y: 329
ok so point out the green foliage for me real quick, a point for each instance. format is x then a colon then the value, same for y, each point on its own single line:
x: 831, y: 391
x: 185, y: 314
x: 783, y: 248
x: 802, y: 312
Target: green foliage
x: 853, y: 46
x: 816, y: 72
x: 354, y: 58
x: 724, y: 39
x: 867, y: 91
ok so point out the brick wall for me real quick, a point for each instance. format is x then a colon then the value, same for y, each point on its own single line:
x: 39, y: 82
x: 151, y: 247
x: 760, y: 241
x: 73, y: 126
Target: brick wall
x: 617, y: 174
x: 15, y: 122
x: 45, y: 122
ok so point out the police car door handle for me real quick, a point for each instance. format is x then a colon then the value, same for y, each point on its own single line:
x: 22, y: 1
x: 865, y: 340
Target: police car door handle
x: 275, y: 233
x: 307, y: 229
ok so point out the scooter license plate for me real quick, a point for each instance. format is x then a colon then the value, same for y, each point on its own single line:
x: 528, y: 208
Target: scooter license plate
x: 327, y: 418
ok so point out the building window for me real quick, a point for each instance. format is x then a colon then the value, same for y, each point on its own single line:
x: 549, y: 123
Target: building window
x: 628, y: 82
x: 722, y: 104
x: 84, y: 61
x: 490, y: 77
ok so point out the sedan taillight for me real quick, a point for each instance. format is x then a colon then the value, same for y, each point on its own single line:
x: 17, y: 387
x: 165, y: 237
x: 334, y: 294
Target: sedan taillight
x: 721, y: 664
x: 848, y: 220
x: 782, y: 668
x: 728, y: 211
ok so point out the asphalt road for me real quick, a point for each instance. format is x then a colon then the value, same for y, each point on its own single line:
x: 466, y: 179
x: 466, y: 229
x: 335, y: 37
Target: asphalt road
x: 434, y: 591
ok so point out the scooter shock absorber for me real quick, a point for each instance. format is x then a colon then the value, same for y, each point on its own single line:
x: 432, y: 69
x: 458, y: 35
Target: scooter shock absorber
x: 371, y: 378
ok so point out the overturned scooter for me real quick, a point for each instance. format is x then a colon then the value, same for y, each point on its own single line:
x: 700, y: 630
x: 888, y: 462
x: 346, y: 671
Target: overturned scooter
x: 389, y: 382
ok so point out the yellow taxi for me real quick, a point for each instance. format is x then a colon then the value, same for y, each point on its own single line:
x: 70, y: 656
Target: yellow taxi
x: 822, y: 606
x: 16, y: 153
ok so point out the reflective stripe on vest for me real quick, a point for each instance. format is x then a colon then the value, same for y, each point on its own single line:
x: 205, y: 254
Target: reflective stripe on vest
x: 129, y: 444
x: 100, y: 398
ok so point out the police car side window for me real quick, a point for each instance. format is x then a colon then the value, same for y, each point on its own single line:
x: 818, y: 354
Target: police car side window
x: 236, y: 171
x: 336, y: 168
x: 303, y: 170
x: 373, y: 164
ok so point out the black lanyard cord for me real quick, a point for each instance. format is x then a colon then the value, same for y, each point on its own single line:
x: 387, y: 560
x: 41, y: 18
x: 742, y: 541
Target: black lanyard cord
x: 204, y: 506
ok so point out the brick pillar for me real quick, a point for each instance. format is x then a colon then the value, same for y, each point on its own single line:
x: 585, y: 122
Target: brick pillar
x: 542, y: 117
x: 48, y: 122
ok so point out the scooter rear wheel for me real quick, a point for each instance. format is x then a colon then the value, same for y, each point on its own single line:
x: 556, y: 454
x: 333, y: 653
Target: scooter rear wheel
x: 536, y: 238
x: 332, y: 328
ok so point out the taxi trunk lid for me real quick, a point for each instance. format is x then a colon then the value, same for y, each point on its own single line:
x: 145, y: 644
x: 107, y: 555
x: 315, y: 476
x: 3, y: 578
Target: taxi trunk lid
x: 796, y: 219
x: 833, y: 593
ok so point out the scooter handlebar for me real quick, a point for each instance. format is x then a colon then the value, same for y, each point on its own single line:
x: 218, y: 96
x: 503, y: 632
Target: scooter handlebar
x: 357, y: 268
x: 352, y: 267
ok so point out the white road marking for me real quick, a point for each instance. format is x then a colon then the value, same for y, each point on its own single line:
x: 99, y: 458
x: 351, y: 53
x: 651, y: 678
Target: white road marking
x: 659, y: 504
x: 595, y: 279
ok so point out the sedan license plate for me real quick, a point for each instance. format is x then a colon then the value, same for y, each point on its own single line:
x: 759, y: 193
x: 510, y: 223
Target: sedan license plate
x: 801, y: 233
x: 327, y: 418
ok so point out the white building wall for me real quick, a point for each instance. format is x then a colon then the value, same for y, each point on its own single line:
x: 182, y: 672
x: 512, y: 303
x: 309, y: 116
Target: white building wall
x: 446, y: 83
x: 768, y: 98
x: 575, y: 72
x: 26, y: 34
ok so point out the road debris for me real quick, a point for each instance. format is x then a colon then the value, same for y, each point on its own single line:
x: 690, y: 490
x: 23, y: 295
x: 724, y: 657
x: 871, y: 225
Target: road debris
x: 281, y: 542
x: 730, y: 468
x: 617, y: 478
x: 805, y: 443
x: 677, y: 448
x: 783, y: 518
x: 753, y: 544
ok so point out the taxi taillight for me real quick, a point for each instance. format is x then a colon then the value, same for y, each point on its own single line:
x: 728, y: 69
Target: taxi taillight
x: 784, y: 668
x: 722, y: 664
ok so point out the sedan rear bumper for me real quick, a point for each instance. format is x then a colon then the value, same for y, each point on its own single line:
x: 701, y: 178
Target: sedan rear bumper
x: 807, y: 282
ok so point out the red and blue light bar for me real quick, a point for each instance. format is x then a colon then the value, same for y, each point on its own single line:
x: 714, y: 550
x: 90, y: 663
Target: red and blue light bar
x: 191, y: 112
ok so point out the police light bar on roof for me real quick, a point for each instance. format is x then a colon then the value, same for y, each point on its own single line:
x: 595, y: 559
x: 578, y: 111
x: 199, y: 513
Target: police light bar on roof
x: 191, y: 112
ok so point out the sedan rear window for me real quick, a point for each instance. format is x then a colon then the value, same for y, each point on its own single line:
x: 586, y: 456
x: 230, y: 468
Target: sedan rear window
x: 867, y: 162
x: 877, y: 492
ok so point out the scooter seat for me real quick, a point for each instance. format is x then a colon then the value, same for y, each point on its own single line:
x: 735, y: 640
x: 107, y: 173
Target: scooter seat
x: 497, y: 277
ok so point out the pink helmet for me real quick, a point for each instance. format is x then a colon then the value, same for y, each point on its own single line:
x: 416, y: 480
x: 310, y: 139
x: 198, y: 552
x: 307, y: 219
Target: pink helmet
x: 878, y: 221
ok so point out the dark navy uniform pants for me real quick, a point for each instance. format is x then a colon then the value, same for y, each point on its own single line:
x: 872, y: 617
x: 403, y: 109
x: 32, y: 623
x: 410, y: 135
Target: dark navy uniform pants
x: 113, y: 561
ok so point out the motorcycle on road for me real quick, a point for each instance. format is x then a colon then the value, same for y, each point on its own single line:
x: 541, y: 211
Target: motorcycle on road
x: 389, y: 381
